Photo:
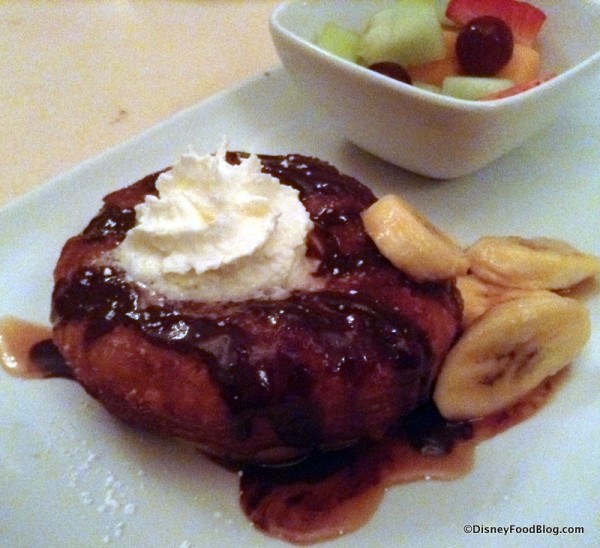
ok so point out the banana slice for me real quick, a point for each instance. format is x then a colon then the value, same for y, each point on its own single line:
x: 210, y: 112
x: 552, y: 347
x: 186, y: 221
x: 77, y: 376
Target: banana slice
x: 537, y: 263
x: 509, y: 351
x: 411, y: 242
x: 479, y: 296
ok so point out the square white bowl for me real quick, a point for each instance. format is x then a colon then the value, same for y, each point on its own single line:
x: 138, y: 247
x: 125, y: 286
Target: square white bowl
x: 424, y: 132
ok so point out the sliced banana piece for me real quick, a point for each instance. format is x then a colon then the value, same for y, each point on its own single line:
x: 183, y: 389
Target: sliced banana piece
x: 509, y: 351
x: 536, y: 263
x: 479, y: 296
x: 411, y: 242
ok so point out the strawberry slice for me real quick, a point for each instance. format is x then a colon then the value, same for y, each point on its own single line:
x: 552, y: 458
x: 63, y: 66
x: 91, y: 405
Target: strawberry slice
x: 524, y: 19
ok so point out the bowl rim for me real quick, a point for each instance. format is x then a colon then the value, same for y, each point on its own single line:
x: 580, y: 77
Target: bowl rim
x: 546, y: 88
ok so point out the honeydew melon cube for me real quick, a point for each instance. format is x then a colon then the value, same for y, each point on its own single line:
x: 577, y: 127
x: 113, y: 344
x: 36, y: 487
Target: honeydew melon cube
x: 428, y: 87
x: 407, y: 33
x: 339, y: 41
x: 474, y: 87
x: 440, y: 10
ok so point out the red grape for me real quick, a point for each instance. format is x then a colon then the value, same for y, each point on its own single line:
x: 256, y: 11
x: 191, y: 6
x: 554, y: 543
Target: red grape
x: 392, y: 70
x: 484, y: 46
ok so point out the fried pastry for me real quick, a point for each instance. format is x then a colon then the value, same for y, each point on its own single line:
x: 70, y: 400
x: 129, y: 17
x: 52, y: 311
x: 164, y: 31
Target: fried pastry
x: 267, y: 378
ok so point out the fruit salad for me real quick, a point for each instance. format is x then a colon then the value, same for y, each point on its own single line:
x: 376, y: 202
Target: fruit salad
x: 468, y: 49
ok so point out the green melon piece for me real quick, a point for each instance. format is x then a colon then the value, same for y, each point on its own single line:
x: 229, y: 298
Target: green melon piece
x: 427, y: 87
x: 440, y: 10
x: 473, y: 87
x: 339, y: 41
x: 408, y: 33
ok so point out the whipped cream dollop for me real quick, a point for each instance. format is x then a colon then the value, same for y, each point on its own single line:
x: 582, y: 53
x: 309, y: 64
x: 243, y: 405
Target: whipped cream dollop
x: 219, y: 232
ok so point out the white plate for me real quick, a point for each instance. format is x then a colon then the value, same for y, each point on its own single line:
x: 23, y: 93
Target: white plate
x: 71, y: 476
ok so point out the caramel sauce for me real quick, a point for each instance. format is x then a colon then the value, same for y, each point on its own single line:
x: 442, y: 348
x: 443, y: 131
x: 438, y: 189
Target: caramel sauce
x: 333, y: 495
x: 27, y: 351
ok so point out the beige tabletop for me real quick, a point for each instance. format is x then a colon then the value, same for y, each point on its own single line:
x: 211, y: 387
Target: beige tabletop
x: 77, y: 77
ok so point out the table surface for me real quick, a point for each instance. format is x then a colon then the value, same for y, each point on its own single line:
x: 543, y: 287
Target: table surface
x: 77, y: 77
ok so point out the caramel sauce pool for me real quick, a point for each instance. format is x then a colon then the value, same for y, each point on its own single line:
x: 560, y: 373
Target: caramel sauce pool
x: 332, y: 495
x: 26, y: 351
x: 327, y: 495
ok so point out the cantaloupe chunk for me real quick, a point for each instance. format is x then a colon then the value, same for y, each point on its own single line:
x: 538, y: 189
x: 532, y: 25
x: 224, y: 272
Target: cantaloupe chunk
x: 523, y: 66
x: 434, y: 72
